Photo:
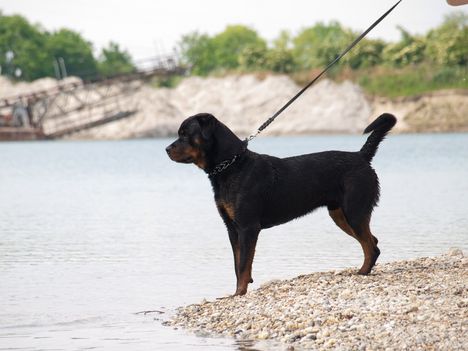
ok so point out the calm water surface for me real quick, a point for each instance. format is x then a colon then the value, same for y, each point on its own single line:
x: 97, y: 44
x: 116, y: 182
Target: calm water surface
x: 93, y: 232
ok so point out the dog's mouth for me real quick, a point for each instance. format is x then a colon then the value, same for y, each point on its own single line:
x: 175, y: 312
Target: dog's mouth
x: 181, y: 159
x: 187, y: 159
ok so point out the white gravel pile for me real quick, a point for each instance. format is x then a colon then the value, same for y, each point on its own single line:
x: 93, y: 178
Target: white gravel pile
x: 243, y: 102
x: 419, y: 304
x: 9, y: 89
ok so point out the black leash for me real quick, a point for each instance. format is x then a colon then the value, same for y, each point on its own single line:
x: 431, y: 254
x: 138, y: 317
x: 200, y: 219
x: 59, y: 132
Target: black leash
x: 357, y: 40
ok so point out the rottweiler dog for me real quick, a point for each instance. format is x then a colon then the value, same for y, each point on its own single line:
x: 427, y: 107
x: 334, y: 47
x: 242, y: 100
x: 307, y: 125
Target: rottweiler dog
x: 254, y: 191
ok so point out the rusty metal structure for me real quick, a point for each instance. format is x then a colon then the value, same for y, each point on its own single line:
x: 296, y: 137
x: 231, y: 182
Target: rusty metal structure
x: 68, y: 108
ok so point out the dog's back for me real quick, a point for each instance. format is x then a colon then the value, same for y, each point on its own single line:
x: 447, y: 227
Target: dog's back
x: 295, y: 186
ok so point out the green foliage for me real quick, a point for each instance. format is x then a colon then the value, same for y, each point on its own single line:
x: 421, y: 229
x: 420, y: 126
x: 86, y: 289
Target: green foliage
x: 166, y: 82
x: 232, y: 42
x: 114, y: 60
x: 318, y: 45
x: 280, y: 58
x: 22, y: 54
x: 368, y: 53
x: 75, y: 51
x: 253, y: 58
x: 448, y: 43
x: 281, y: 61
x: 414, y: 64
x: 197, y: 52
x: 237, y: 46
x: 27, y: 52
x: 411, y: 80
x: 409, y: 50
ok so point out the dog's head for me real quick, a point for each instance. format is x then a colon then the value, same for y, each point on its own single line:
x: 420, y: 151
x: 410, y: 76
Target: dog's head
x: 195, y: 140
x: 204, y: 141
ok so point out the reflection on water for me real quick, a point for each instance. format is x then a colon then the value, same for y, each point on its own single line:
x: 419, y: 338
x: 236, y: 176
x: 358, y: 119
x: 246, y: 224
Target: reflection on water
x: 93, y: 232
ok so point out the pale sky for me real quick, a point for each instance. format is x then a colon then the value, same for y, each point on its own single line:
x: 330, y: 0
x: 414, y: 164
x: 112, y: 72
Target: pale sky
x: 150, y: 27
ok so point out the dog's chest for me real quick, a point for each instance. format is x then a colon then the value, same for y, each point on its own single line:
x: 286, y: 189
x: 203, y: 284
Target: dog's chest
x: 226, y: 198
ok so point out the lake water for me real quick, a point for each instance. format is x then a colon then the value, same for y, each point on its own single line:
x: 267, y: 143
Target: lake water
x: 93, y: 232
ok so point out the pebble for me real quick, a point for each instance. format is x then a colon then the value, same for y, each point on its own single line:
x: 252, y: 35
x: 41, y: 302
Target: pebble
x: 414, y: 304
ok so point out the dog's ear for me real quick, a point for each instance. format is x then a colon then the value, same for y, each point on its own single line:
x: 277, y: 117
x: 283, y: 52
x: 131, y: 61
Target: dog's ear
x: 207, y: 125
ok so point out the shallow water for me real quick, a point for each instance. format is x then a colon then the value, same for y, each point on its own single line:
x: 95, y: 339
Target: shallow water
x: 93, y: 232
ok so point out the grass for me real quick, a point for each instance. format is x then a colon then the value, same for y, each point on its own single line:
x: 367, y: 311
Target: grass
x: 411, y: 81
x: 166, y: 82
x: 395, y: 82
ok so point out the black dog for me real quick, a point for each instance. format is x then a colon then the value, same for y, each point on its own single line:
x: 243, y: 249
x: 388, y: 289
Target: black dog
x: 254, y: 191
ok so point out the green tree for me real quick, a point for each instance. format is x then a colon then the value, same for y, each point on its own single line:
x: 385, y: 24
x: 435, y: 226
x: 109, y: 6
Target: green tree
x: 22, y: 49
x: 253, y: 57
x: 448, y: 43
x: 197, y: 52
x: 409, y: 50
x: 318, y: 45
x: 229, y: 45
x: 114, y: 60
x: 368, y: 53
x: 280, y: 57
x: 75, y: 51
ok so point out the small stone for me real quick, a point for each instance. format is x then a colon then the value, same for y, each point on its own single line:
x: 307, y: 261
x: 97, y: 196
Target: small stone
x: 263, y: 335
x: 455, y: 252
x: 310, y: 337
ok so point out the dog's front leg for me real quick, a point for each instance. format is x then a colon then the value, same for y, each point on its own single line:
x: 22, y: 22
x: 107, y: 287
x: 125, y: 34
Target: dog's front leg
x: 247, y: 237
x: 234, y: 239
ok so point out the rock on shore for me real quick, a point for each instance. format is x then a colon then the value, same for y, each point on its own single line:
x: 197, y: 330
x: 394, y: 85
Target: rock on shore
x: 419, y: 304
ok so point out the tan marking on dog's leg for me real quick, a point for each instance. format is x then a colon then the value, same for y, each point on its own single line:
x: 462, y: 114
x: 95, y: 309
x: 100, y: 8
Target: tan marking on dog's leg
x: 366, y: 239
x: 247, y: 254
x: 340, y: 220
x: 371, y: 251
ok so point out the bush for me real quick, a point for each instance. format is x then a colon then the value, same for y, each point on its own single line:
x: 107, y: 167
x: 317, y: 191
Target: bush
x: 448, y: 43
x: 318, y: 45
x: 22, y: 54
x: 75, y: 51
x: 409, y: 50
x: 114, y: 61
x: 197, y: 51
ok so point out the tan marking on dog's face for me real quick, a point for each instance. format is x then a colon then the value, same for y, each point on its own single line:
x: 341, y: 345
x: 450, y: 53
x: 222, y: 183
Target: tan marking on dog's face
x: 197, y: 156
x: 183, y: 152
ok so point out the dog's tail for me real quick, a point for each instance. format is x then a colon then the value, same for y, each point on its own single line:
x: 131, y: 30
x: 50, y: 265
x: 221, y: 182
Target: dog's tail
x: 379, y: 128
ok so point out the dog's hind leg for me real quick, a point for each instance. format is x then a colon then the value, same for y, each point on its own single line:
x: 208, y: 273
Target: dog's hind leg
x: 369, y: 246
x: 371, y: 251
x: 363, y: 235
x: 358, y: 201
x: 340, y: 220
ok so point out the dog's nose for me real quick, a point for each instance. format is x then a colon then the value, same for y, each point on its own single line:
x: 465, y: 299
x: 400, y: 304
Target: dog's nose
x: 169, y: 148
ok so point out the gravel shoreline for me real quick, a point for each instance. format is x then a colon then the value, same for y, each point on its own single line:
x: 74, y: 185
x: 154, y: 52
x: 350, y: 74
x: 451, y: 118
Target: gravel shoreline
x: 419, y: 304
